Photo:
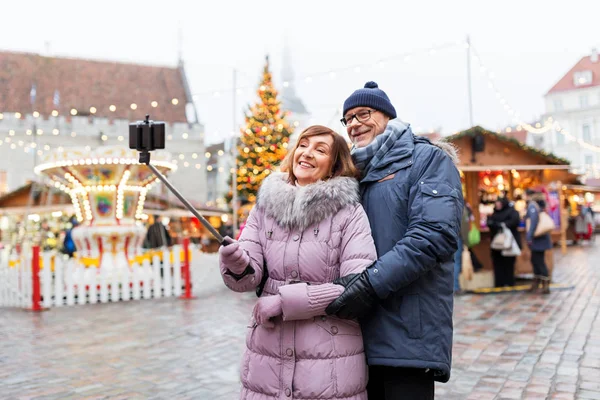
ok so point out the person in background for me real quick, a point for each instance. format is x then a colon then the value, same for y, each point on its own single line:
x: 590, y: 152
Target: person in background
x: 69, y: 247
x: 157, y: 236
x: 504, y: 267
x: 465, y: 226
x: 538, y: 245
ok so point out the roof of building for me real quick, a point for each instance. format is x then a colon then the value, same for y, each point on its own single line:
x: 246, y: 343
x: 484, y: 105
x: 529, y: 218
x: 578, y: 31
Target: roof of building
x: 81, y: 84
x: 567, y: 82
x: 478, y: 130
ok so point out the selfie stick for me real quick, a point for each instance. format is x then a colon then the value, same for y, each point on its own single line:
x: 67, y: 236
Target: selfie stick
x: 145, y: 159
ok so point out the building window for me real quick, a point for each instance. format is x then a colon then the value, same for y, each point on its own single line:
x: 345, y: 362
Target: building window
x: 581, y: 78
x: 589, y: 160
x: 586, y: 133
x: 558, y: 106
x: 560, y: 139
x: 583, y: 101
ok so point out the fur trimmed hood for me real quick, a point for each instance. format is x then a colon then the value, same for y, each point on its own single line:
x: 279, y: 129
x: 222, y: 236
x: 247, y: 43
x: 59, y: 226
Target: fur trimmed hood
x: 298, y: 207
x: 449, y: 149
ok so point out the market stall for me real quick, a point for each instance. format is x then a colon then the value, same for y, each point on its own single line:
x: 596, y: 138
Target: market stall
x: 493, y: 165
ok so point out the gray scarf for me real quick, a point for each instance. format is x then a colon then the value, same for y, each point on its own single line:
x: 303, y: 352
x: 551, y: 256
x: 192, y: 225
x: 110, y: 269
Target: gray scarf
x: 365, y: 158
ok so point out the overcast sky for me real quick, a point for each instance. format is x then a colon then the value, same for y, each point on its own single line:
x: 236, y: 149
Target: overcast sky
x: 528, y: 45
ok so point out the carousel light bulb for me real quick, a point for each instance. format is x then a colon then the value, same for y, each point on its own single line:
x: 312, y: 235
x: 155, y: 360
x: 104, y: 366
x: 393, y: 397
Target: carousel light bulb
x: 18, y: 115
x: 54, y: 113
x: 55, y: 131
x: 46, y: 147
x: 36, y: 114
x: 194, y: 155
x: 102, y: 161
x: 73, y: 111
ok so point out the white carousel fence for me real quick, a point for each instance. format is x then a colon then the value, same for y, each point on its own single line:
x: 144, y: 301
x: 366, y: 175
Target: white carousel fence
x: 67, y: 282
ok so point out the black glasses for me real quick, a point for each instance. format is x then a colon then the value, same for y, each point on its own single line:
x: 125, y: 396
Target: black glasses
x: 360, y: 116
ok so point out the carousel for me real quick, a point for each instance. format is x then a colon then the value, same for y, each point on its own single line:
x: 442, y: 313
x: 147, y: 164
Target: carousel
x: 107, y: 187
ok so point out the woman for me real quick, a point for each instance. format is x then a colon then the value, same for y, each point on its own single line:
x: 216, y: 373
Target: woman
x: 308, y: 228
x: 504, y: 267
x: 538, y: 245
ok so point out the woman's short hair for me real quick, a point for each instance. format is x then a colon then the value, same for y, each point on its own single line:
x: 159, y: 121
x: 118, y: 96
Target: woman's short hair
x: 341, y: 165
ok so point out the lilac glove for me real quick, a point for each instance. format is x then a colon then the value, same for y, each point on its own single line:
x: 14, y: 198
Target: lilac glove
x: 234, y: 258
x: 267, y: 307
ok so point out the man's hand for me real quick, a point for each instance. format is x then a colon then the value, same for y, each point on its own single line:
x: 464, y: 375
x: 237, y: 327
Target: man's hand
x: 358, y: 298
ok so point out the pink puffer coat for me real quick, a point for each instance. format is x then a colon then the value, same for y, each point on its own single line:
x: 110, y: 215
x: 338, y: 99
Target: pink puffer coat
x: 307, y: 236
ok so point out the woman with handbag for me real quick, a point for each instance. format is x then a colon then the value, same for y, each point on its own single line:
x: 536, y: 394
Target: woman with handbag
x: 538, y: 242
x: 504, y: 266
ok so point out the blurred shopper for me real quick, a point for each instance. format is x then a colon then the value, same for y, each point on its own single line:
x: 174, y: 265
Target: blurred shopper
x: 504, y: 266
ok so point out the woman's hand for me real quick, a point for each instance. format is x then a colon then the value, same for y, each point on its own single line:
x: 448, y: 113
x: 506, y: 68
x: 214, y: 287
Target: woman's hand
x: 267, y: 307
x: 234, y: 257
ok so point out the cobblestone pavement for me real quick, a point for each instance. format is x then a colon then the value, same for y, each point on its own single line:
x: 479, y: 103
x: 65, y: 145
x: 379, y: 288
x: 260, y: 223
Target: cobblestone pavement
x: 506, y: 346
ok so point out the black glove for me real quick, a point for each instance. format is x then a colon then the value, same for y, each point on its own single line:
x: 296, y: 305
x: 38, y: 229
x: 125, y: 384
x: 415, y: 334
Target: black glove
x: 358, y: 298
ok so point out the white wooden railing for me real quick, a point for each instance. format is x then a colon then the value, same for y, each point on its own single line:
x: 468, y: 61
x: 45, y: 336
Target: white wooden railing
x: 67, y: 282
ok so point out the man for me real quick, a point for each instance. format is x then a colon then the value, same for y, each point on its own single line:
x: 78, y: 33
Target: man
x: 411, y: 191
x: 157, y: 235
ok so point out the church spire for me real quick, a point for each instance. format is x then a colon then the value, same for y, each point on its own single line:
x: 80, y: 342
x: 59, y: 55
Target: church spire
x: 291, y: 102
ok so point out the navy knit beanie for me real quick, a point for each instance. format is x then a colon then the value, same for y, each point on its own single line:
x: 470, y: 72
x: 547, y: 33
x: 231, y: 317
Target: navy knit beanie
x: 370, y: 96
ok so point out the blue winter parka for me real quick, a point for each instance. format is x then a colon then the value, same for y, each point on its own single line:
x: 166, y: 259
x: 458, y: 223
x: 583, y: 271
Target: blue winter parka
x: 413, y: 199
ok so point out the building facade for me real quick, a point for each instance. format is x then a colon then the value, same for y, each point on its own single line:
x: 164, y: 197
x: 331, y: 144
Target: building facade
x: 52, y: 103
x: 573, y: 104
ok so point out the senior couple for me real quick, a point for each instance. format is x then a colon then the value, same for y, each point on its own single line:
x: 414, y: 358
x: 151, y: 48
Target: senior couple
x: 351, y: 255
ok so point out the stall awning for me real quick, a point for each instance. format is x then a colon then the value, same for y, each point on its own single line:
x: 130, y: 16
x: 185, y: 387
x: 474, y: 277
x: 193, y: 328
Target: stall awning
x: 467, y: 168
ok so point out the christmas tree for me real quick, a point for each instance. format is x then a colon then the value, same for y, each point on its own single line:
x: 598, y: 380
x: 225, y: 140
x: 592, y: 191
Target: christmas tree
x: 264, y: 140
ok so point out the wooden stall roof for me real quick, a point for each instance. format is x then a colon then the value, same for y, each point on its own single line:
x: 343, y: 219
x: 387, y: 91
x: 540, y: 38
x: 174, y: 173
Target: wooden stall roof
x: 501, y: 152
x: 42, y: 193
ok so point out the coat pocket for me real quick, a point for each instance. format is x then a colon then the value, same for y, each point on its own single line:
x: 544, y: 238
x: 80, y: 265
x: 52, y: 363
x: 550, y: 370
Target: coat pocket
x: 410, y: 310
x: 336, y: 326
x: 440, y: 203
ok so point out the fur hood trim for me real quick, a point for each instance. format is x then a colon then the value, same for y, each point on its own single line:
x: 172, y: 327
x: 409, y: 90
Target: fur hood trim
x: 449, y: 149
x: 298, y: 207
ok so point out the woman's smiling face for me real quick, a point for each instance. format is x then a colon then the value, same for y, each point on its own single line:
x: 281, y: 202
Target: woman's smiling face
x: 312, y: 159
